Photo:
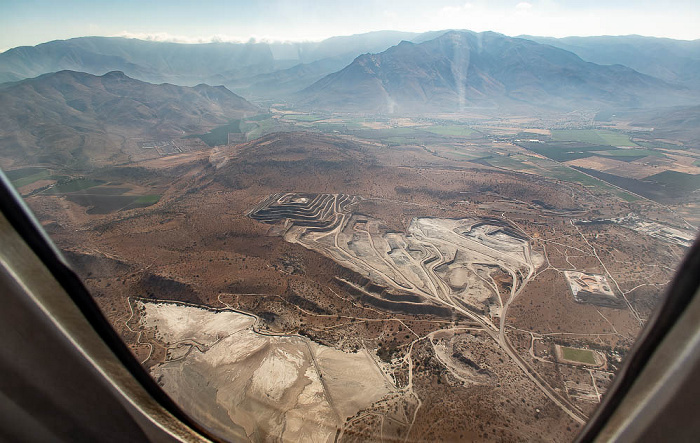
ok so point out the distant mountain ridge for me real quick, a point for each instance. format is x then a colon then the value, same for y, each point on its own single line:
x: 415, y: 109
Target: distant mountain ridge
x: 279, y: 70
x: 234, y: 65
x: 675, y: 61
x: 145, y: 60
x: 273, y: 70
x: 74, y: 117
x: 464, y: 69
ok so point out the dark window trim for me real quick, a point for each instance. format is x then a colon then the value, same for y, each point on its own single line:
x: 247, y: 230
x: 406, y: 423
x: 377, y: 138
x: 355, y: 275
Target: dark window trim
x: 20, y: 217
x: 680, y: 293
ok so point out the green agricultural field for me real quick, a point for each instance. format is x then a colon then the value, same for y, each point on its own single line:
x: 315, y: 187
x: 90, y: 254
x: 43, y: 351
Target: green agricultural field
x: 678, y: 180
x: 16, y: 174
x: 106, y: 204
x: 331, y: 127
x: 148, y: 200
x: 572, y: 175
x: 105, y: 191
x: 552, y: 169
x: 391, y: 135
x: 261, y: 128
x: 304, y: 117
x: 662, y: 145
x: 579, y: 355
x: 630, y: 153
x: 75, y: 185
x: 345, y: 125
x: 459, y: 155
x: 27, y: 176
x: 392, y: 132
x: 257, y: 118
x: 450, y: 130
x: 511, y: 162
x: 219, y: 135
x: 357, y: 121
x: 626, y: 196
x: 593, y: 136
x: 397, y: 141
x: 564, y: 151
x: 453, y: 155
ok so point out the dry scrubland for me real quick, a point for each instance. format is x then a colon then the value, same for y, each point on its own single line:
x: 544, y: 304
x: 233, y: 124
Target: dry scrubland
x: 441, y: 282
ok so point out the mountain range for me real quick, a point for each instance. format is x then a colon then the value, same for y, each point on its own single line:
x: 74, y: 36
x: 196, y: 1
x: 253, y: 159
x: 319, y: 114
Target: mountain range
x: 56, y: 118
x: 675, y: 61
x: 100, y: 88
x: 235, y: 65
x: 278, y: 70
x: 462, y: 69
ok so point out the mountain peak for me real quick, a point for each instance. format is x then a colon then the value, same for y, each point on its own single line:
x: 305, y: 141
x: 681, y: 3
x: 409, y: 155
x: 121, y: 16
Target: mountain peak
x: 115, y: 74
x: 48, y: 116
x: 462, y: 69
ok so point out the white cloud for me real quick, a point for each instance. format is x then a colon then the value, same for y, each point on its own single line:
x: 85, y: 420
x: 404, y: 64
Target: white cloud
x: 167, y: 37
x: 214, y: 38
x: 449, y: 11
x: 523, y: 6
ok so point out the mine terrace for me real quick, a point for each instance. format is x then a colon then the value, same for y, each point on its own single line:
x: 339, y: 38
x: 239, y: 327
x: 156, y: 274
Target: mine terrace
x: 470, y: 266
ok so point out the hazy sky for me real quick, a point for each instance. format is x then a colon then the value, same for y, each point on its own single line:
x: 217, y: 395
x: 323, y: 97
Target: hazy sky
x: 29, y: 22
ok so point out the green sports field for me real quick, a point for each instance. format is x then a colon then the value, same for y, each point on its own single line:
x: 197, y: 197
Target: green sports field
x: 579, y: 355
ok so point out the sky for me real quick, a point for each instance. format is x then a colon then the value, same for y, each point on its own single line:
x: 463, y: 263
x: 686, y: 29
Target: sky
x: 30, y: 22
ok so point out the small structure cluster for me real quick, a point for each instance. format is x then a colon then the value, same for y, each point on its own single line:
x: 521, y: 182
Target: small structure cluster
x: 593, y: 289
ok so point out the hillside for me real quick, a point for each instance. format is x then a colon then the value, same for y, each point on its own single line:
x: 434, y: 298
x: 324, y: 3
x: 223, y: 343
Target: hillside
x: 77, y: 118
x: 146, y: 60
x: 675, y: 61
x: 249, y: 68
x: 681, y: 123
x: 271, y: 70
x: 463, y: 69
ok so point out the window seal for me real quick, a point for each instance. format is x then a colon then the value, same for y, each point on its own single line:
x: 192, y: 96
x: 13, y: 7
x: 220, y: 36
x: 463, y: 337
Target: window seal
x: 21, y: 218
x: 677, y: 298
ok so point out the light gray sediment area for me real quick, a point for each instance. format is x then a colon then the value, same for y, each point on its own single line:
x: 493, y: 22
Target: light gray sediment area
x: 255, y: 386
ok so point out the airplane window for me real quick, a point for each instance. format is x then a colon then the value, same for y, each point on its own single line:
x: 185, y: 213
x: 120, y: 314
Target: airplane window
x: 346, y: 233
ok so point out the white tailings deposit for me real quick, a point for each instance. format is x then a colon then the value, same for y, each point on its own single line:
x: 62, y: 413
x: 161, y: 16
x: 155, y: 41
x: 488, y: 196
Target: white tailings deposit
x: 453, y: 262
x: 250, y: 386
x: 439, y: 259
